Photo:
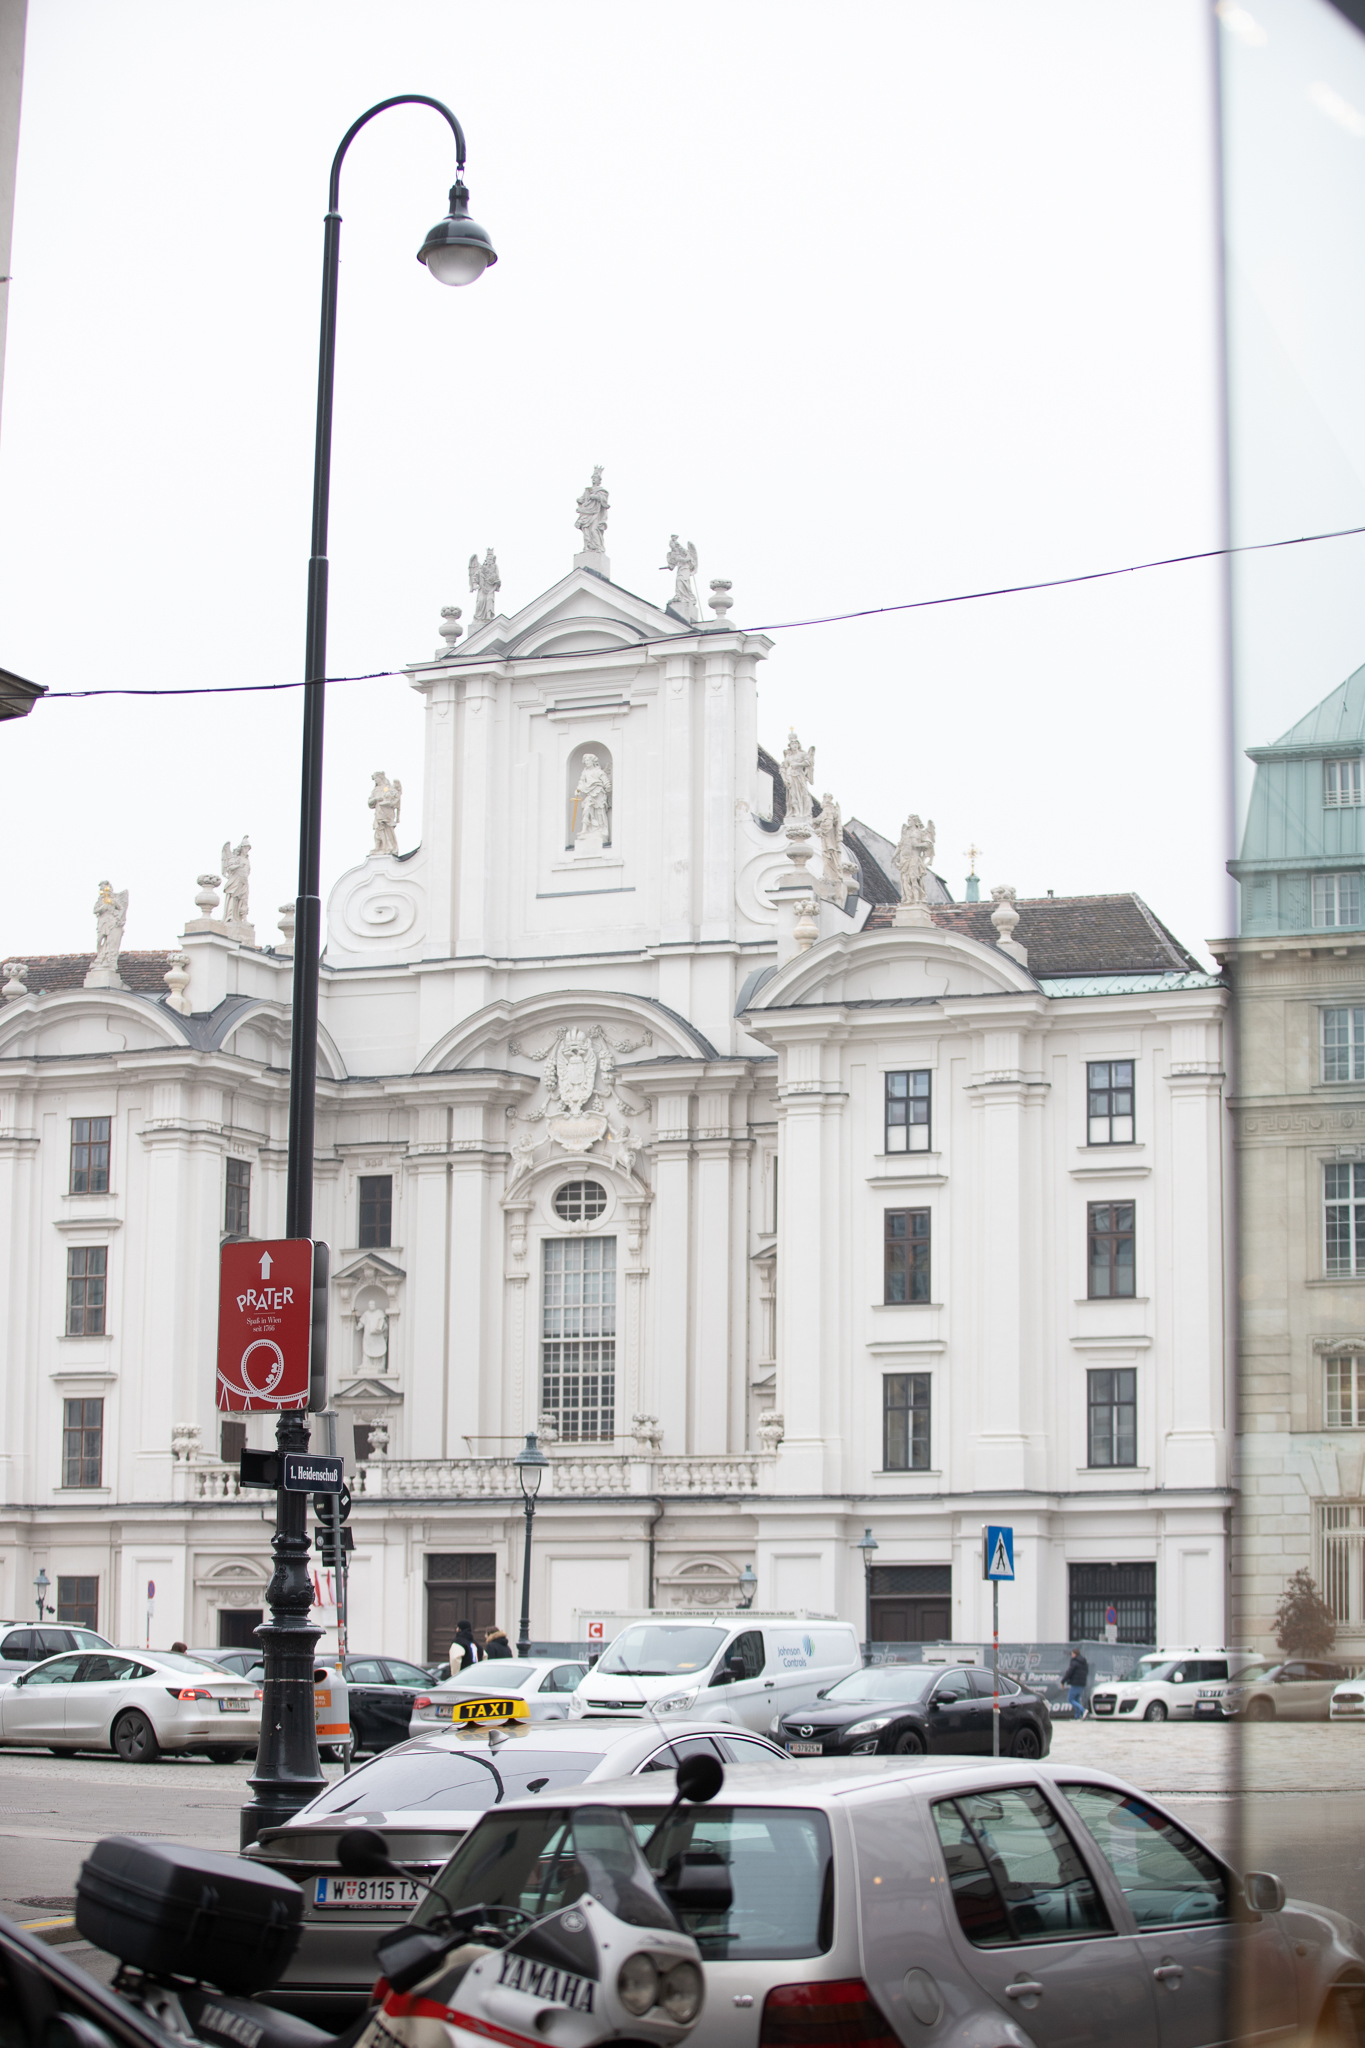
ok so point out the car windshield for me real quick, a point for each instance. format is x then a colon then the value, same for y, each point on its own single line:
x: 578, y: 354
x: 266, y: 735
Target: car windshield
x: 500, y: 1680
x: 779, y: 1858
x: 542, y: 1862
x: 86, y: 1639
x: 885, y: 1682
x: 662, y: 1650
x: 176, y: 1660
x: 451, y: 1780
x: 1252, y: 1674
x: 1140, y: 1672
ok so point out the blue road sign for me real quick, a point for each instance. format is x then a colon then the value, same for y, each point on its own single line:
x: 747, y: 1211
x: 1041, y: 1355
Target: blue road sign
x: 997, y: 1560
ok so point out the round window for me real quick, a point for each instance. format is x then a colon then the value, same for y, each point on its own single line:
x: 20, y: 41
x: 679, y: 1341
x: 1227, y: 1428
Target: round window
x: 580, y: 1201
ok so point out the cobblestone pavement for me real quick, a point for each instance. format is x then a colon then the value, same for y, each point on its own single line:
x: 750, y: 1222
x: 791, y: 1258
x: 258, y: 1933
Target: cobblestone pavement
x: 1174, y: 1756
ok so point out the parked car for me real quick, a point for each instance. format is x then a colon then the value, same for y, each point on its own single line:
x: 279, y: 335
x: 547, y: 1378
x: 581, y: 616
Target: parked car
x: 719, y: 1670
x: 1298, y: 1690
x: 914, y: 1709
x: 242, y: 1661
x: 1166, y: 1689
x: 380, y: 1693
x: 1210, y: 1700
x: 135, y: 1702
x: 1014, y: 1903
x: 545, y: 1683
x: 22, y: 1647
x: 1348, y: 1701
x: 423, y: 1798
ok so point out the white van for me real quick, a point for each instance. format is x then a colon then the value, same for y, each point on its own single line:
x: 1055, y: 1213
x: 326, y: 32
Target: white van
x: 1168, y: 1684
x: 741, y: 1668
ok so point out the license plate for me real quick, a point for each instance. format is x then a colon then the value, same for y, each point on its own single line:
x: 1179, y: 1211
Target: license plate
x: 805, y: 1749
x: 1207, y: 1707
x: 365, y: 1891
x: 233, y: 1706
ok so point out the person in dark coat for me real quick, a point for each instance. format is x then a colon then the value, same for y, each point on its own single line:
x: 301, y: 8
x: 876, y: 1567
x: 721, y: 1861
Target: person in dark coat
x: 464, y: 1651
x: 1075, y: 1678
x: 495, y: 1644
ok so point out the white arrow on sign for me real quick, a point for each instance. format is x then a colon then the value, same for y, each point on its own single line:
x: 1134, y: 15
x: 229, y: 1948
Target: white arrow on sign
x: 266, y: 1263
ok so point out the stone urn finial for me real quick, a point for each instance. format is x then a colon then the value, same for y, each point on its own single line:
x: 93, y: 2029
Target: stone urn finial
x: 1005, y: 917
x: 450, y: 630
x: 288, y: 912
x: 206, y: 894
x: 16, y: 980
x: 806, y: 929
x: 721, y: 599
x: 177, y: 979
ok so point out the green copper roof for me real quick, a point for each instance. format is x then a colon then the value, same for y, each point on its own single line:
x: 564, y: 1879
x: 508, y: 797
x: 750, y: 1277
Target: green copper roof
x: 1302, y: 865
x: 1339, y: 721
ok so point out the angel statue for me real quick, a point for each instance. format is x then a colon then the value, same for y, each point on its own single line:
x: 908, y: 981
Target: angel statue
x: 683, y: 562
x: 837, y: 863
x: 913, y: 855
x: 592, y: 516
x: 236, y: 880
x: 485, y: 581
x: 798, y: 767
x: 111, y: 915
x: 386, y: 801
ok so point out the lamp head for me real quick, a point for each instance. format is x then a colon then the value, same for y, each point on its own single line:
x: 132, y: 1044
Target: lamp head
x: 867, y: 1545
x: 42, y: 1582
x: 457, y: 250
x: 748, y: 1585
x: 531, y: 1465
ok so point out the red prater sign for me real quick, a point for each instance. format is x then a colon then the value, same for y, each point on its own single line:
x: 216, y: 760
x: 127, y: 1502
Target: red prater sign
x: 265, y: 1324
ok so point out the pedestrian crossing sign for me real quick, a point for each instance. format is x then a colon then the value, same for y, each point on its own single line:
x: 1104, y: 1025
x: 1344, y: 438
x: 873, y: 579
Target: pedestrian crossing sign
x: 998, y: 1552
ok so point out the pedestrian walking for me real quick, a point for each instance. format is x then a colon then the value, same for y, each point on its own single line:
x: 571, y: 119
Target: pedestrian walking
x: 1075, y: 1678
x: 464, y: 1651
x: 495, y: 1644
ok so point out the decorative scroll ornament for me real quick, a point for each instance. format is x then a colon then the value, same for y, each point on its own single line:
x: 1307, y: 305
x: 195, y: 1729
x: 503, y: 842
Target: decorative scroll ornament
x: 578, y: 1070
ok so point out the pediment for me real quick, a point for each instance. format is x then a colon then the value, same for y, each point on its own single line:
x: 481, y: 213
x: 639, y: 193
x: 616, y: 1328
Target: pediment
x: 582, y: 613
x: 488, y: 1037
x: 80, y: 1023
x: 367, y: 1394
x: 917, y: 964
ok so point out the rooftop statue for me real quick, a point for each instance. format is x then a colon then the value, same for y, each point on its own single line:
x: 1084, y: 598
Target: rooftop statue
x: 836, y: 878
x: 592, y: 516
x: 111, y: 915
x: 913, y: 854
x: 683, y: 562
x: 236, y: 866
x: 386, y: 801
x: 798, y: 767
x: 486, y: 582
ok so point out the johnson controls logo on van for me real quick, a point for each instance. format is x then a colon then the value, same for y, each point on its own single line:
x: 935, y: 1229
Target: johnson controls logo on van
x: 791, y: 1654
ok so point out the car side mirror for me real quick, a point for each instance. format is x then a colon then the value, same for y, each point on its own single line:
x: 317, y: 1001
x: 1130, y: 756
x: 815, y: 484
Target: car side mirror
x: 363, y: 1852
x: 1263, y: 1891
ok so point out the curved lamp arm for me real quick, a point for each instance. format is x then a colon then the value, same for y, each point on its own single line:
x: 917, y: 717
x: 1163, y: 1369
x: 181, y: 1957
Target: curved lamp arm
x: 402, y: 99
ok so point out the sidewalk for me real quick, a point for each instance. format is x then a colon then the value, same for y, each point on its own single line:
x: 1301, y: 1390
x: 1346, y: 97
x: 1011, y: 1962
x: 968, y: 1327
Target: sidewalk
x: 1227, y: 1758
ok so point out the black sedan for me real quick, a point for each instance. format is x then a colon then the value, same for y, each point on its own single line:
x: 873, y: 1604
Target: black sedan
x: 914, y: 1709
x: 380, y: 1692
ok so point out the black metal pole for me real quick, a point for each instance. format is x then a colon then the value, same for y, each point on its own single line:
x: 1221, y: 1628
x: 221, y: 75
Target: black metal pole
x: 524, y: 1628
x: 288, y: 1773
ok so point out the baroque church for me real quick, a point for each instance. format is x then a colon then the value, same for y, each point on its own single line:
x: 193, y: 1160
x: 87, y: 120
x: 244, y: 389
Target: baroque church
x: 668, y: 1114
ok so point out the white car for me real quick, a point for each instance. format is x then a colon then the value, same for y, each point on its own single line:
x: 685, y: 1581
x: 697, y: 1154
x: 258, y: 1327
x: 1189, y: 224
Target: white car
x: 21, y: 1647
x: 135, y: 1702
x: 1348, y: 1701
x: 547, y: 1684
x: 1166, y: 1689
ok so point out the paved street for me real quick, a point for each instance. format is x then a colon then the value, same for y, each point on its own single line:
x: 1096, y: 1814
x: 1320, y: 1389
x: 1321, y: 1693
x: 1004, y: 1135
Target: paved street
x: 1302, y: 1814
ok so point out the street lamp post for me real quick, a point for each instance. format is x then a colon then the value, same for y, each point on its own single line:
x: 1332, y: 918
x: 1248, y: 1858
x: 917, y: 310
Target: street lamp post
x: 287, y: 1773
x: 40, y: 1586
x: 531, y: 1464
x: 868, y: 1545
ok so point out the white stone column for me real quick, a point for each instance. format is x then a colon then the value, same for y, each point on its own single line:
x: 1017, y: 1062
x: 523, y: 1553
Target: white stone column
x: 676, y: 850
x: 666, y: 1376
x: 718, y: 794
x: 474, y: 822
x: 812, y: 1361
x: 427, y: 1426
x: 439, y: 821
x: 1004, y: 1260
x: 1192, y: 1337
x: 20, y: 1224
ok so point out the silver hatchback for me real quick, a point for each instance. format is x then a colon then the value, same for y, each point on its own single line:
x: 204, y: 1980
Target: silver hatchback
x: 978, y: 1905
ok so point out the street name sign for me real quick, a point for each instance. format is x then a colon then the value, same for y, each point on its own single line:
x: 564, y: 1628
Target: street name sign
x: 265, y: 1324
x: 997, y: 1552
x: 306, y: 1472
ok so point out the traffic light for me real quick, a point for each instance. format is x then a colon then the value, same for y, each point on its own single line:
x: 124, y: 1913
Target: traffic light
x: 332, y: 1538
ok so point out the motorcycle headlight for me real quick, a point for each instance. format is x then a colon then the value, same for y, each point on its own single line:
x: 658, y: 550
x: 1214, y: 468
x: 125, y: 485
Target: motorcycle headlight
x: 872, y: 1727
x: 637, y: 1984
x: 680, y: 1994
x: 677, y: 1703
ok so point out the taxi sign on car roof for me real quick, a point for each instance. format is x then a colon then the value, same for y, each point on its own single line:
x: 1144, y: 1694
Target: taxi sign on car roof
x: 507, y: 1707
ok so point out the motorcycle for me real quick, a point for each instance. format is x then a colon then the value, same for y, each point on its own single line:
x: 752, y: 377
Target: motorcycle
x: 197, y: 1933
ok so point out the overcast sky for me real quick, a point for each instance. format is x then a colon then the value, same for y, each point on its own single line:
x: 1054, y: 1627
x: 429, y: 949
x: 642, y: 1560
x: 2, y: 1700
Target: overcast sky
x: 872, y: 303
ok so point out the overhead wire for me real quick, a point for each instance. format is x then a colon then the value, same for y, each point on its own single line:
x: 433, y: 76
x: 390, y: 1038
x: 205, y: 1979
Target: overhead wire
x: 876, y: 611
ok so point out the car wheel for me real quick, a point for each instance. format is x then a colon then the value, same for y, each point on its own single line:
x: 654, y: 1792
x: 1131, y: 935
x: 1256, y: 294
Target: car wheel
x: 135, y: 1739
x: 1027, y: 1743
x: 1261, y: 1710
x: 908, y: 1744
x: 1156, y: 1712
x: 225, y: 1756
x: 1341, y: 2024
x: 331, y: 1753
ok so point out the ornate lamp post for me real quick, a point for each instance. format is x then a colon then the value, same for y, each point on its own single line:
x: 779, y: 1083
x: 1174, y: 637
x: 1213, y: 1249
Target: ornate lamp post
x: 40, y: 1587
x: 868, y: 1545
x: 531, y: 1464
x: 287, y: 1774
x: 748, y: 1585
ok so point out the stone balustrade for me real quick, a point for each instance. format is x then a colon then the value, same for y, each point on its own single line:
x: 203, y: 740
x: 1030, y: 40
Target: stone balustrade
x: 568, y: 1477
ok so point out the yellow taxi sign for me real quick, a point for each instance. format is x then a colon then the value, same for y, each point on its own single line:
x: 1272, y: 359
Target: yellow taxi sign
x: 507, y: 1708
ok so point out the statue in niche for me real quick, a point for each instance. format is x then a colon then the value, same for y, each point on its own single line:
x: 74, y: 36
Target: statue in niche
x: 798, y: 768
x: 683, y: 562
x: 386, y: 801
x: 592, y: 799
x: 485, y: 582
x: 592, y: 516
x: 913, y: 856
x: 236, y: 866
x: 111, y: 915
x: 374, y: 1339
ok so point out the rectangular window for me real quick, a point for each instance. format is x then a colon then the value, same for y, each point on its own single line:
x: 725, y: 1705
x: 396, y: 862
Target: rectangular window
x: 376, y: 1209
x: 1343, y: 1045
x: 578, y: 1337
x: 237, y: 1203
x: 1110, y: 1254
x: 89, y: 1155
x: 907, y: 1112
x: 1345, y: 1405
x: 1341, y: 782
x: 231, y: 1442
x: 86, y: 1273
x: 1336, y: 900
x: 78, y: 1602
x: 1343, y: 1189
x: 905, y: 1422
x: 1113, y: 1416
x: 1130, y: 1589
x: 83, y: 1443
x: 1109, y: 1085
x: 905, y: 1267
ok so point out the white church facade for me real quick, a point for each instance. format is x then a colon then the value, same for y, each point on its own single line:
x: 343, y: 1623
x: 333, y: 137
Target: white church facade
x: 664, y: 1114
